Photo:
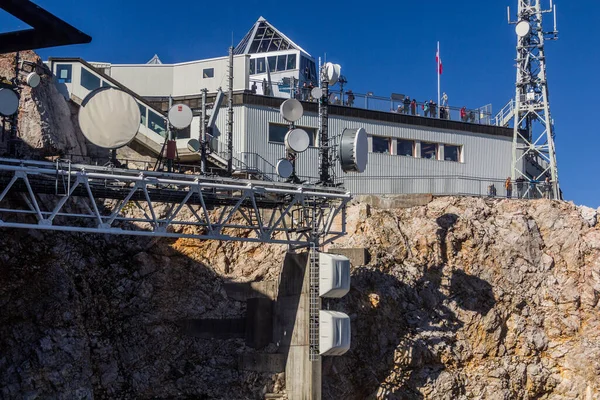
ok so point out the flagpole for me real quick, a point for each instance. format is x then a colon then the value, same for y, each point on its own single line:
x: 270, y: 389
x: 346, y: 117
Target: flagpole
x: 439, y: 57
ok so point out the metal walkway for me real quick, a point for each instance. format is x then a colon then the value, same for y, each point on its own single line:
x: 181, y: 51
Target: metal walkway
x: 82, y: 198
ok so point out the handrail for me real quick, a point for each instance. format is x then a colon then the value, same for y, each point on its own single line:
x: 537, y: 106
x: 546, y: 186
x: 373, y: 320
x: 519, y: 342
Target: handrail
x: 501, y: 118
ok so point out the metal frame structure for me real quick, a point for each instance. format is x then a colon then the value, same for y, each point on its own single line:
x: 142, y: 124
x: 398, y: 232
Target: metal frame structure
x: 533, y: 127
x: 62, y: 196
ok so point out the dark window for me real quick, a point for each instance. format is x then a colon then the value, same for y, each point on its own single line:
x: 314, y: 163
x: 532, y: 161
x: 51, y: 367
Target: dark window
x: 252, y: 66
x: 261, y: 68
x: 272, y: 63
x: 281, y: 63
x: 277, y: 133
x: 451, y: 153
x: 208, y: 73
x: 157, y: 123
x: 381, y: 144
x: 291, y: 61
x: 264, y: 46
x: 254, y: 46
x: 64, y: 73
x: 429, y: 150
x: 405, y: 148
x: 143, y: 114
x: 89, y: 80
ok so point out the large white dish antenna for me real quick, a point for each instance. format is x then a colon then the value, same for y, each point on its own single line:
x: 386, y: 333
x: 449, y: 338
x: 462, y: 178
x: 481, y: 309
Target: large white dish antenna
x: 9, y: 102
x: 180, y: 116
x: 332, y: 72
x: 297, y: 140
x: 193, y: 145
x: 284, y: 168
x: 109, y: 117
x: 33, y: 79
x: 354, y: 150
x: 291, y: 110
x: 523, y: 29
x: 316, y: 93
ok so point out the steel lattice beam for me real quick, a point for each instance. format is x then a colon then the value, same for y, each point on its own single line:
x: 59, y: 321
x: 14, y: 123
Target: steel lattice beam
x: 80, y: 198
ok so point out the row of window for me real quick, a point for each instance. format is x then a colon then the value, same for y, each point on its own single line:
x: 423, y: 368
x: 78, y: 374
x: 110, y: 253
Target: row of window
x: 282, y: 62
x: 154, y: 121
x: 408, y: 148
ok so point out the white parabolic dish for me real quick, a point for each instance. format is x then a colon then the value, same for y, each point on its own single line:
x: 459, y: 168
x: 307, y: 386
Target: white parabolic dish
x: 354, y: 150
x: 297, y: 140
x: 523, y: 28
x: 333, y: 72
x: 284, y: 168
x: 316, y: 93
x: 9, y: 102
x: 291, y: 110
x: 180, y: 116
x: 109, y: 117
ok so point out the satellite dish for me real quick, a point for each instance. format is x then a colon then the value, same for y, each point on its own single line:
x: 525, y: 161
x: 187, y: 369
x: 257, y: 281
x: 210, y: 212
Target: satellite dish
x: 284, y: 168
x: 180, y: 116
x: 33, y: 79
x: 354, y: 148
x: 332, y: 72
x: 523, y: 29
x: 109, y: 117
x: 9, y: 102
x: 291, y: 110
x: 193, y: 145
x: 297, y: 140
x: 316, y: 93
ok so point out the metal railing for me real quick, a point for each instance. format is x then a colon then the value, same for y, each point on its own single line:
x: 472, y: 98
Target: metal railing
x: 449, y: 185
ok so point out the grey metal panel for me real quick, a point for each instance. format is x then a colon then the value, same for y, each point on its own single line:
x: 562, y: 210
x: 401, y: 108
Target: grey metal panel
x: 485, y: 156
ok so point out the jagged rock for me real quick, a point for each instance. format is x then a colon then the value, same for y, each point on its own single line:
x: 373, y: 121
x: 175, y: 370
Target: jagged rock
x: 590, y: 215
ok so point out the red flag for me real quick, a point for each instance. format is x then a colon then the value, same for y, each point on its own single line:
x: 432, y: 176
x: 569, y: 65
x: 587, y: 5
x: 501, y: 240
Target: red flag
x: 438, y: 60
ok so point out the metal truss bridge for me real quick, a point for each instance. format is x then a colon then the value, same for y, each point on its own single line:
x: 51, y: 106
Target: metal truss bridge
x: 63, y: 196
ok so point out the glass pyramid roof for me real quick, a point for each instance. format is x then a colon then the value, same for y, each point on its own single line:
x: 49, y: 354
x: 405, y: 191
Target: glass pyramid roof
x: 263, y: 38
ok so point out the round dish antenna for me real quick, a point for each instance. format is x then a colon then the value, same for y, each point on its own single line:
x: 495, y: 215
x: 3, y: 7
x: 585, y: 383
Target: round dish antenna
x: 9, y: 102
x: 523, y: 29
x: 332, y: 71
x: 316, y: 93
x: 297, y: 140
x: 33, y: 79
x: 354, y: 149
x: 109, y: 117
x: 284, y: 168
x: 180, y: 116
x: 193, y: 145
x: 291, y: 110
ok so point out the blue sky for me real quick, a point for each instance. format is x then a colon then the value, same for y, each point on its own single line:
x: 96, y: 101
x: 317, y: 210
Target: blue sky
x: 383, y: 49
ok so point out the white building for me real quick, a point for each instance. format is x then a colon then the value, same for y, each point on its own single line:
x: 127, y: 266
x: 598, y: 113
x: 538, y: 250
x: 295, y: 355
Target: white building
x: 408, y: 153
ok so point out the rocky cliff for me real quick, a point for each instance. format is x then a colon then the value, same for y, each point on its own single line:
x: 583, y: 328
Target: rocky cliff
x: 462, y: 298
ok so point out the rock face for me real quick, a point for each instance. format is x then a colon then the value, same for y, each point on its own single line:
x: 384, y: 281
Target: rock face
x: 462, y: 298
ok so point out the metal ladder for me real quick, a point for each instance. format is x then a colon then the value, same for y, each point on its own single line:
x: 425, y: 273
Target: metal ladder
x: 314, y: 304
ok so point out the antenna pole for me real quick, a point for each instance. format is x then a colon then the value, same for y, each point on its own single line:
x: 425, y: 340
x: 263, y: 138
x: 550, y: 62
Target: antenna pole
x: 169, y: 140
x: 324, y: 176
x: 534, y: 153
x: 230, y: 115
x: 203, y: 143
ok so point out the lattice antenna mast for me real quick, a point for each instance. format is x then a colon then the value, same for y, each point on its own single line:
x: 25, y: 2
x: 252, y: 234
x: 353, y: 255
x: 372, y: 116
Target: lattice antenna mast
x: 533, y: 136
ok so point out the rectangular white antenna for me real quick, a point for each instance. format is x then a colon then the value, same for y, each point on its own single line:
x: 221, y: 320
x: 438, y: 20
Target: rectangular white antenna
x: 508, y: 13
x: 555, y: 30
x: 551, y: 7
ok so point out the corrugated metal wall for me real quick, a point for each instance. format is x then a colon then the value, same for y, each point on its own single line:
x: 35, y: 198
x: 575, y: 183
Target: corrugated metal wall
x: 484, y: 156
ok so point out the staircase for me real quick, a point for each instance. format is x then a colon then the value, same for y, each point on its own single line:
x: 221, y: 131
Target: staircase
x: 505, y: 115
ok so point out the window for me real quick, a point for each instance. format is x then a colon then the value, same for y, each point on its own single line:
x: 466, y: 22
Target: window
x: 277, y: 133
x: 381, y: 144
x: 451, y: 153
x: 157, y: 123
x: 64, y: 73
x: 405, y: 148
x: 261, y: 67
x: 272, y: 63
x: 143, y: 114
x: 252, y: 66
x: 429, y: 150
x: 89, y: 80
x: 291, y: 61
x: 208, y: 73
x: 281, y: 63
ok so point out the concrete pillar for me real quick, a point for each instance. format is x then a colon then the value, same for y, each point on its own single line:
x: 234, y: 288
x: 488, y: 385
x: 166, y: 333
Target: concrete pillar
x: 291, y: 329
